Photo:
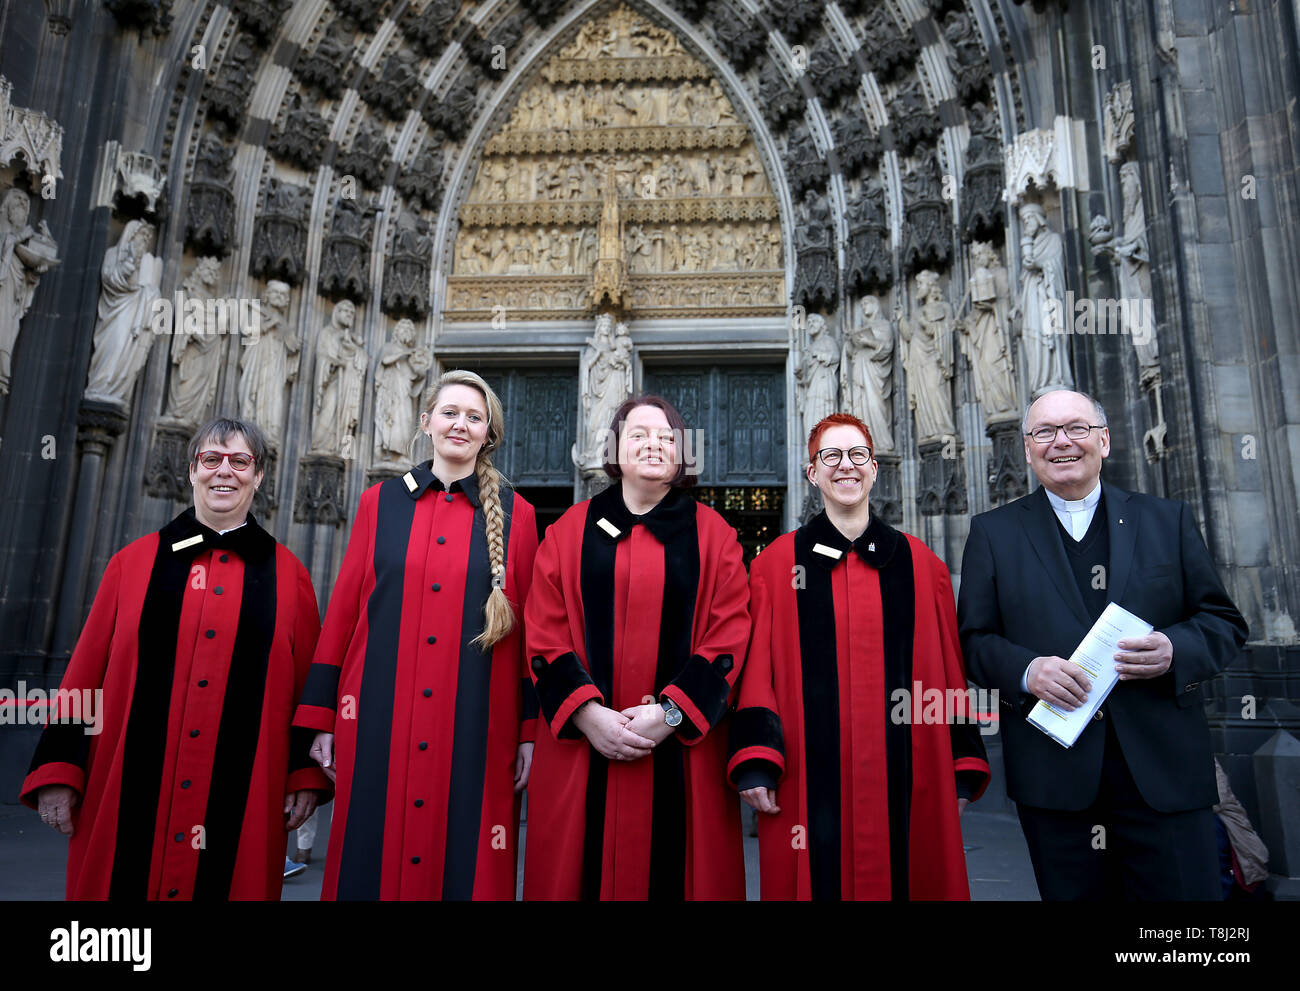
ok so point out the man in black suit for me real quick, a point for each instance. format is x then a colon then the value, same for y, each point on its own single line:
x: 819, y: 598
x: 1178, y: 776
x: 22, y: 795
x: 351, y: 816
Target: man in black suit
x: 1124, y: 813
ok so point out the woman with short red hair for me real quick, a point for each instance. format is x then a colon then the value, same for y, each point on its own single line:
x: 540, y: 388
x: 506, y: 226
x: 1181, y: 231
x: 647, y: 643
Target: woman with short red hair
x: 859, y: 776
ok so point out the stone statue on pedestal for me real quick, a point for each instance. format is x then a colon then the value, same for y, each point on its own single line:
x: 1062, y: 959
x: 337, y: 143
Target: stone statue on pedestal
x: 340, y: 376
x: 129, y: 280
x: 605, y: 380
x: 816, y: 374
x: 867, y: 373
x: 1042, y: 304
x: 25, y: 254
x: 195, y: 349
x: 984, y: 338
x: 398, y: 380
x: 927, y: 356
x: 268, y: 364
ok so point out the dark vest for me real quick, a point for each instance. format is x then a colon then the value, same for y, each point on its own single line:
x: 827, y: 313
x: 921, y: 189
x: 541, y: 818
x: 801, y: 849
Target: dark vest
x: 1088, y: 555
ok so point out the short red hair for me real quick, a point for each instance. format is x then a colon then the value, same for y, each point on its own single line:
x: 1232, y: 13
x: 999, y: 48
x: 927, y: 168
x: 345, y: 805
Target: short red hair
x: 837, y: 420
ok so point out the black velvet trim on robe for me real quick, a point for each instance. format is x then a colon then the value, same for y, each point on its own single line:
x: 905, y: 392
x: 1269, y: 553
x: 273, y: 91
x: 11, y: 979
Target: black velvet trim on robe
x: 885, y: 549
x: 556, y: 681
x: 321, y: 689
x: 469, y: 749
x: 672, y: 522
x: 361, y: 858
x: 755, y: 726
x: 145, y: 734
x: 705, y: 685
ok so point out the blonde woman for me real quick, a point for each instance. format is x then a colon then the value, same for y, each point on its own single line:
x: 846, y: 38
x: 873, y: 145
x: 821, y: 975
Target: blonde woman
x: 417, y: 689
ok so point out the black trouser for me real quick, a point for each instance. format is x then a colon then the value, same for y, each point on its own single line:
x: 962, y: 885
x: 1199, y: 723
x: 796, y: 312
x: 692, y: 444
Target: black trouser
x: 1137, y: 854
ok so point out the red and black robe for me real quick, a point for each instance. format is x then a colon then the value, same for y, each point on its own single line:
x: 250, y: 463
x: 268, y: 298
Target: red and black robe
x: 426, y: 724
x: 868, y: 793
x: 201, y: 643
x: 626, y: 610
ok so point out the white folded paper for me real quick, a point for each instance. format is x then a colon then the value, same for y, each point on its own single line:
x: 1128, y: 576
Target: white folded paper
x: 1096, y: 655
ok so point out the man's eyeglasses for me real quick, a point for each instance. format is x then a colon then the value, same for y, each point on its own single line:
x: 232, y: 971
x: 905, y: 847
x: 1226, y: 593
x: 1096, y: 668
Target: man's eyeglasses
x: 239, y: 461
x: 1075, y: 431
x: 831, y: 456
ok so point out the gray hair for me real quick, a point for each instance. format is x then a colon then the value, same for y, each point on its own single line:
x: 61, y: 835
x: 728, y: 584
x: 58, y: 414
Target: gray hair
x: 1096, y: 406
x: 221, y: 429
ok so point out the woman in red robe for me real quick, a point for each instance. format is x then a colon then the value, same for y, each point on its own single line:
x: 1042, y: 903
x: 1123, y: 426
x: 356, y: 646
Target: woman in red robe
x: 637, y: 623
x: 418, y: 691
x: 183, y: 779
x: 853, y: 736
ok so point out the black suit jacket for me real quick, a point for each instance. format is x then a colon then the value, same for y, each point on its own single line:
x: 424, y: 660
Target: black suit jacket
x: 1019, y: 600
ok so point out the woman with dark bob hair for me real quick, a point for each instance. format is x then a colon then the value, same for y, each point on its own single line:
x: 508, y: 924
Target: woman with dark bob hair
x: 183, y: 782
x: 637, y: 622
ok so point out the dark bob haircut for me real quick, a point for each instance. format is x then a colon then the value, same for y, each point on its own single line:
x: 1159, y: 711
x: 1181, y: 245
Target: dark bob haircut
x: 682, y: 479
x: 222, y: 428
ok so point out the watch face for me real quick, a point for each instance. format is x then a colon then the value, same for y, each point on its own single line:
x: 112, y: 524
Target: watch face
x: 672, y: 714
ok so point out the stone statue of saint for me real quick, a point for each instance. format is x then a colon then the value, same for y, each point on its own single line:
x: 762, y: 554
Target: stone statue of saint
x: 927, y: 355
x: 816, y: 374
x: 398, y: 380
x: 867, y: 373
x: 129, y: 280
x: 1042, y: 304
x: 25, y: 254
x: 1132, y: 257
x: 268, y: 363
x: 984, y: 338
x: 605, y: 380
x: 340, y: 376
x: 196, y: 351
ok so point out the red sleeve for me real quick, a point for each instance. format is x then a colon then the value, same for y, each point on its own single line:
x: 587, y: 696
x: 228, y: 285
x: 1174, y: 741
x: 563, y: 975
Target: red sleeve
x: 968, y: 753
x: 319, y: 702
x: 707, y: 679
x: 561, y: 680
x: 523, y: 557
x: 304, y: 773
x: 63, y: 749
x: 757, y: 744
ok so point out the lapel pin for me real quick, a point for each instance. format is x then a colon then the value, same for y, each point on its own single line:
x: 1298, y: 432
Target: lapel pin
x: 1121, y: 521
x: 871, y: 546
x: 608, y: 527
x: 180, y: 545
x: 830, y: 552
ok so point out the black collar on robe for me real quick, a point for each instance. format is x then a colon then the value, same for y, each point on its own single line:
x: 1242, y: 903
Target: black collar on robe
x: 249, y: 541
x: 674, y: 512
x: 421, y: 478
x: 876, y: 545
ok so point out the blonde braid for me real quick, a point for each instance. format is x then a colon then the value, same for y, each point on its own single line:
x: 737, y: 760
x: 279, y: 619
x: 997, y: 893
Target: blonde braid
x: 498, y: 615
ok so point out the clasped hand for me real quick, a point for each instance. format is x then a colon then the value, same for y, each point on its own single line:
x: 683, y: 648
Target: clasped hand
x: 627, y: 735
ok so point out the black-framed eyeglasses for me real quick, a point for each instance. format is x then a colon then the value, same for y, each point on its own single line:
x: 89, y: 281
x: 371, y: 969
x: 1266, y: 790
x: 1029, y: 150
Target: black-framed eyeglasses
x: 211, y: 460
x: 831, y: 456
x: 1075, y: 431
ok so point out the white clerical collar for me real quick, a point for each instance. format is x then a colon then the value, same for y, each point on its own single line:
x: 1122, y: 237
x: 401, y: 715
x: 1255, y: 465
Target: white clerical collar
x: 224, y: 532
x: 1083, y: 505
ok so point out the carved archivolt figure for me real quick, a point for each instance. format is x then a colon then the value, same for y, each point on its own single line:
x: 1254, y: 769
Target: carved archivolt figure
x: 129, y: 280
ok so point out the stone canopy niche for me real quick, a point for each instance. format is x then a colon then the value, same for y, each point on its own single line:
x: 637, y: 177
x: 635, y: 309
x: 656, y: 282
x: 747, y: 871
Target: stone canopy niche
x: 622, y: 110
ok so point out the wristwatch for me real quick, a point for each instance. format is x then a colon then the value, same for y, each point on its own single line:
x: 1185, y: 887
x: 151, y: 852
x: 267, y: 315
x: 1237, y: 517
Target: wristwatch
x: 672, y: 714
